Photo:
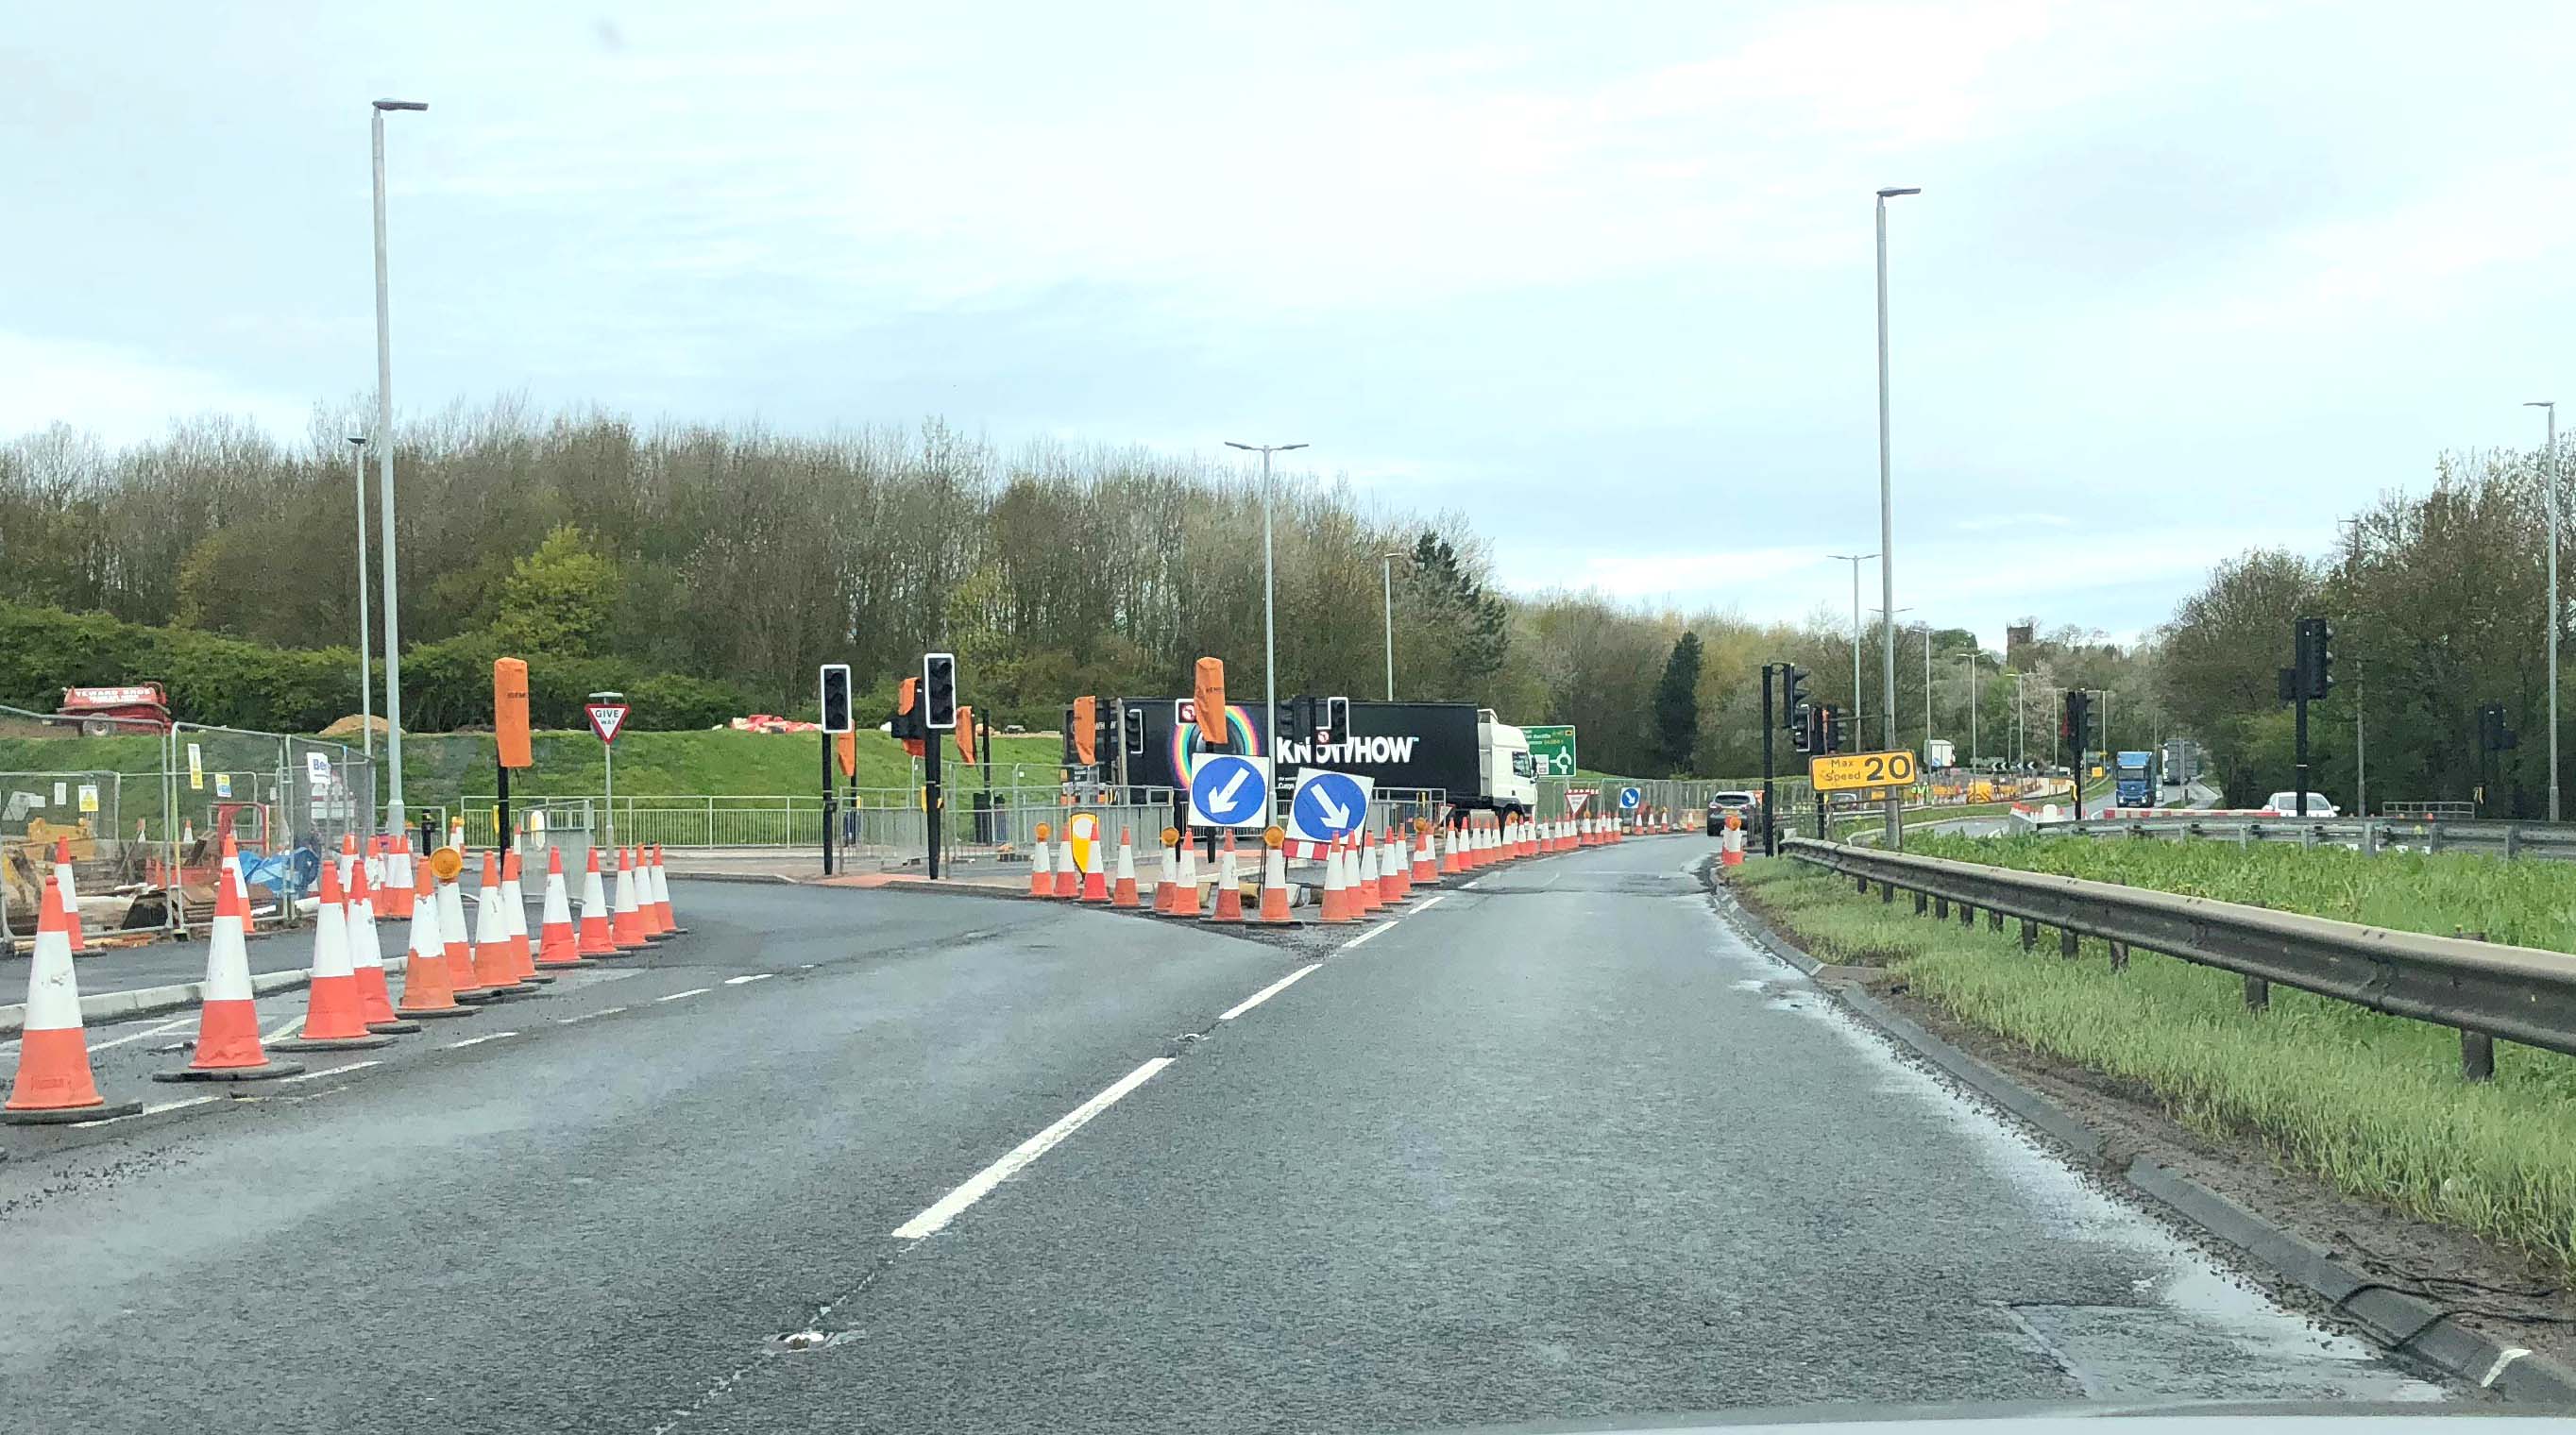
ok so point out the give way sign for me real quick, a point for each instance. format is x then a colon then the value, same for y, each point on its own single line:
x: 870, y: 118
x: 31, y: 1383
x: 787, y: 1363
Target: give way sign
x: 607, y: 720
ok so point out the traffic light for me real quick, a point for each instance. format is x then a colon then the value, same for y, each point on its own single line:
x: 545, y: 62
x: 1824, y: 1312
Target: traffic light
x: 1134, y: 720
x: 2075, y: 724
x: 836, y: 697
x: 1105, y: 737
x: 939, y: 691
x: 906, y: 725
x: 1337, y: 719
x: 1802, y: 729
x: 1793, y: 696
x: 2493, y: 735
x: 2312, y: 658
x: 1829, y: 733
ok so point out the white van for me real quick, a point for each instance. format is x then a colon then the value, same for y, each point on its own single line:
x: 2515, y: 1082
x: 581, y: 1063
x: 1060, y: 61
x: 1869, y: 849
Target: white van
x: 1503, y: 768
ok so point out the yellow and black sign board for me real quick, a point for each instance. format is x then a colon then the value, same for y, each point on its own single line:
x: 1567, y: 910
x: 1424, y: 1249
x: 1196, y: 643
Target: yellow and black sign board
x: 1848, y: 771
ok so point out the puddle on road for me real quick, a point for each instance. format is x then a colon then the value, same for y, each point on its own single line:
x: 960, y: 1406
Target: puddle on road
x: 2195, y: 1327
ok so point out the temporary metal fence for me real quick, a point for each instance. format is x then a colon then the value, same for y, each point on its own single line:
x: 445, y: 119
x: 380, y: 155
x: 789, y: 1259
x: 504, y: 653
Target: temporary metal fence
x: 2483, y: 990
x: 96, y: 784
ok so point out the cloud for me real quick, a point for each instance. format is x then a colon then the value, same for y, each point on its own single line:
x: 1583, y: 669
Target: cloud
x: 123, y: 396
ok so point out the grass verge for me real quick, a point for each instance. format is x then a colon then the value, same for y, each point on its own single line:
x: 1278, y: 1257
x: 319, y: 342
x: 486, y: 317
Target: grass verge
x: 2371, y: 1104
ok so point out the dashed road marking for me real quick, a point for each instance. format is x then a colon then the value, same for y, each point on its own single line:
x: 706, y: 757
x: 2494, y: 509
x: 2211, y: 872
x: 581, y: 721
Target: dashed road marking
x: 589, y: 1015
x: 1266, y: 993
x: 752, y: 977
x: 1434, y: 902
x: 691, y: 992
x: 163, y: 1029
x: 478, y: 1040
x: 329, y: 1071
x: 977, y: 1186
x: 155, y: 1109
x: 283, y: 1031
x: 1362, y: 937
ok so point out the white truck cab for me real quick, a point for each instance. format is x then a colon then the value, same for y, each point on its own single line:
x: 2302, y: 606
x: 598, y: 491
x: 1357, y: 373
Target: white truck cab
x: 1503, y: 767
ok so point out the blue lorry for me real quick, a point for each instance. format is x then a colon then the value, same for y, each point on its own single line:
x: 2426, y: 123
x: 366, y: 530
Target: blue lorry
x: 2134, y: 775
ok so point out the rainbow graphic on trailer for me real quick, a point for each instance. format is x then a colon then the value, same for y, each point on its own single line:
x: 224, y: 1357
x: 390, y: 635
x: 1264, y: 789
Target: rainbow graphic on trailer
x: 1239, y: 730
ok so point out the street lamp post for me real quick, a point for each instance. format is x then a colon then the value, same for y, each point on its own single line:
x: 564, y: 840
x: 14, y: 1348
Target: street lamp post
x: 1927, y: 692
x: 1973, y: 656
x: 1388, y: 559
x: 366, y: 668
x: 2549, y: 485
x: 1855, y: 560
x: 384, y: 443
x: 1269, y: 620
x: 1887, y: 511
x: 1887, y: 724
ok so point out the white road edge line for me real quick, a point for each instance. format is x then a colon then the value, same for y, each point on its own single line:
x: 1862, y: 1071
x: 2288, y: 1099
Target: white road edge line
x: 1434, y: 902
x: 1362, y: 937
x: 753, y: 977
x: 1266, y: 993
x: 282, y: 1031
x: 331, y: 1071
x: 691, y: 992
x: 478, y: 1040
x: 161, y: 1030
x: 588, y: 1015
x: 154, y: 1109
x: 977, y: 1186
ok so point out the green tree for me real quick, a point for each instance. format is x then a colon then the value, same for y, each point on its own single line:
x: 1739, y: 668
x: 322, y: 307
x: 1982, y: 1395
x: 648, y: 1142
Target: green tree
x: 559, y: 599
x: 1677, y: 706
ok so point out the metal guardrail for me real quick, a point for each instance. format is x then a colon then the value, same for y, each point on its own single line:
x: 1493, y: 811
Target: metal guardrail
x: 2483, y: 990
x: 2496, y: 835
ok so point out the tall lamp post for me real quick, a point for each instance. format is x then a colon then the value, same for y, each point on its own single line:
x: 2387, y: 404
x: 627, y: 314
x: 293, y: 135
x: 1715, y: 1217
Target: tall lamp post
x: 1895, y: 835
x: 384, y: 442
x: 1855, y: 560
x: 366, y: 668
x: 2549, y: 485
x: 1975, y: 660
x: 1389, y: 561
x: 1887, y: 724
x: 1269, y: 620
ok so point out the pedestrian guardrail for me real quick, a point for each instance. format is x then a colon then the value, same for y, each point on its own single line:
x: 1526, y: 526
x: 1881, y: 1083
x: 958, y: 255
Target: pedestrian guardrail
x: 2483, y: 990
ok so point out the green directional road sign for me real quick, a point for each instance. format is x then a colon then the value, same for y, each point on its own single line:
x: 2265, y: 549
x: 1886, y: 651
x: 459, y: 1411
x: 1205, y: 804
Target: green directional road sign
x: 1551, y: 749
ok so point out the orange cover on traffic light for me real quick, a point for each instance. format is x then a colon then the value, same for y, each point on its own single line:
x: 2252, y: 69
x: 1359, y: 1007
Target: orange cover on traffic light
x: 965, y: 733
x: 1207, y: 699
x: 510, y: 712
x: 846, y: 747
x: 1086, y: 729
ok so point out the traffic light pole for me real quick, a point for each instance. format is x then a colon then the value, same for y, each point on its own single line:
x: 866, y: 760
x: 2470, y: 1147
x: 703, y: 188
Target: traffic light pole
x: 2301, y: 800
x: 1768, y: 846
x: 829, y: 789
x: 932, y: 809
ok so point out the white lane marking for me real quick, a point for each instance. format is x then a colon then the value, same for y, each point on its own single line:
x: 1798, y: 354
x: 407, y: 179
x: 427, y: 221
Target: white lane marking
x: 330, y: 1071
x: 478, y: 1040
x: 1266, y: 993
x: 588, y: 1015
x: 165, y: 1027
x: 283, y: 1030
x: 691, y: 992
x: 1362, y: 937
x: 155, y: 1109
x: 754, y: 977
x: 1434, y: 902
x: 2509, y: 1355
x: 947, y: 1207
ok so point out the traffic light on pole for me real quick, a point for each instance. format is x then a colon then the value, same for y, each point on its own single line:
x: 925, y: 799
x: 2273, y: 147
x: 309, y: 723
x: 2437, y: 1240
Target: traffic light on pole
x: 2076, y: 725
x: 2312, y: 658
x: 939, y: 691
x: 1793, y: 697
x: 836, y: 697
x: 1134, y: 720
x: 1802, y: 729
x: 1829, y: 729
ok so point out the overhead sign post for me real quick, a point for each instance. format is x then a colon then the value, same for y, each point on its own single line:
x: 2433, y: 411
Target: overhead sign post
x: 1326, y: 805
x: 1229, y: 789
x: 1551, y: 749
x: 607, y: 719
x: 1854, y: 771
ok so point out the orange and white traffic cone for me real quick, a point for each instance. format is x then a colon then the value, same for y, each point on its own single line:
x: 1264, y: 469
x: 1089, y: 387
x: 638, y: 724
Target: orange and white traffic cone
x: 1068, y: 877
x: 1426, y: 867
x: 558, y: 945
x: 514, y: 919
x: 71, y: 894
x: 1185, y: 892
x: 648, y: 903
x: 54, y: 1081
x: 1336, y: 906
x: 1168, y: 890
x: 1041, y: 881
x: 1095, y: 874
x: 228, y: 1046
x: 626, y: 919
x: 596, y: 939
x: 1124, y: 893
x: 367, y: 958
x: 429, y: 989
x: 1274, y: 890
x: 1228, y: 906
x: 1396, y: 875
x: 348, y: 860
x: 334, y: 1019
x: 662, y: 896
x: 1371, y: 887
x: 456, y: 937
x: 492, y: 965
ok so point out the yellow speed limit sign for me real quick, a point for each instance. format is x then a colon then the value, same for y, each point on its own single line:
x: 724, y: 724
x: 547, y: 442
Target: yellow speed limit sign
x: 1848, y: 771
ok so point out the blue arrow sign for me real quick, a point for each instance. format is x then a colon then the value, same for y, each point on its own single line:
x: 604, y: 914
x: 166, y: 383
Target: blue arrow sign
x: 1629, y: 797
x: 1228, y: 790
x: 1328, y: 805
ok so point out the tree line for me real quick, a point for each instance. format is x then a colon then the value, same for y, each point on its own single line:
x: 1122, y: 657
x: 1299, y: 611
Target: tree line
x: 715, y: 567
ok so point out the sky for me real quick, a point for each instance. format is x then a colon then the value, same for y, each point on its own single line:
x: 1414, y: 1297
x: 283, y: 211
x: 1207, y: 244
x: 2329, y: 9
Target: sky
x: 2183, y: 278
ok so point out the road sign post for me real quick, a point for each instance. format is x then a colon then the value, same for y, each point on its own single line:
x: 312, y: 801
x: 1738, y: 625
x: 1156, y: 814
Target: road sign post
x: 608, y: 719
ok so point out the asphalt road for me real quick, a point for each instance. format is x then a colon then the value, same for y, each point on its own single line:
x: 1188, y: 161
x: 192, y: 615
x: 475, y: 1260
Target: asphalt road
x: 1558, y: 1145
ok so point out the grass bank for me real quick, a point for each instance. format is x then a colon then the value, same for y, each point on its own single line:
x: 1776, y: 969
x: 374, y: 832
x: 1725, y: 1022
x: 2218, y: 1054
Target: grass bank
x: 2372, y: 1105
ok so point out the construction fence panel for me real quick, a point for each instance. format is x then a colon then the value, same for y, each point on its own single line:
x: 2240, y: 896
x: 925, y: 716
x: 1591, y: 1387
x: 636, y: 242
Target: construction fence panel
x: 97, y: 786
